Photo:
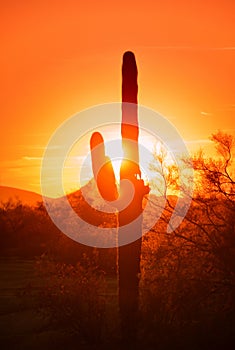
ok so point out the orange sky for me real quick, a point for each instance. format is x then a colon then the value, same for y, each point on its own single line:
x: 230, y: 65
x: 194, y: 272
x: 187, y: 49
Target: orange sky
x: 59, y: 57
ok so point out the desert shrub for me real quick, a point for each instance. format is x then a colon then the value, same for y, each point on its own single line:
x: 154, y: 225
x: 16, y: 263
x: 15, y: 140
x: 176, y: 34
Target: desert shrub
x: 72, y: 297
x: 185, y: 298
x: 188, y: 276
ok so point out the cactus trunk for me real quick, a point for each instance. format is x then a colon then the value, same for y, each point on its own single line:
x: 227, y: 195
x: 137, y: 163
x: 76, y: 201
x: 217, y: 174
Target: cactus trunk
x: 129, y: 255
x: 130, y: 218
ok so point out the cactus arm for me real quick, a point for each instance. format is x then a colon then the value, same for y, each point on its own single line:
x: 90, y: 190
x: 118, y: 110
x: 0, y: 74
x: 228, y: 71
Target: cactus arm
x: 102, y: 168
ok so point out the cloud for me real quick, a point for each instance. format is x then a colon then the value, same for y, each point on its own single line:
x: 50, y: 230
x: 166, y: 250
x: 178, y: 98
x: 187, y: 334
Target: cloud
x: 229, y: 130
x: 21, y: 163
x: 31, y: 158
x: 193, y: 48
x: 32, y: 147
x: 198, y: 141
x: 38, y: 147
x: 224, y: 48
x: 206, y: 114
x: 227, y: 108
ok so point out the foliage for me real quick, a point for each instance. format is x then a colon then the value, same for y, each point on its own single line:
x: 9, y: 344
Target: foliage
x: 73, y: 297
x: 187, y: 286
x: 188, y: 276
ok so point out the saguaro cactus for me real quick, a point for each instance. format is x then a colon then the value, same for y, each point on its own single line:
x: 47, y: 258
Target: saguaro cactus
x: 129, y: 218
x: 129, y: 255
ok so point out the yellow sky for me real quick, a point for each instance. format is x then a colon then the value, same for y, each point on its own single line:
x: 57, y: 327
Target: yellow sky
x: 59, y: 57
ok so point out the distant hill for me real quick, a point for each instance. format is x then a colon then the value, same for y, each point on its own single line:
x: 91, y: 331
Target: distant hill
x: 86, y: 201
x: 16, y: 194
x: 38, y: 232
x: 75, y: 198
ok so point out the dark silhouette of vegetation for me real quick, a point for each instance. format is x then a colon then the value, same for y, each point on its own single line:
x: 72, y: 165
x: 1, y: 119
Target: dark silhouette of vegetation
x: 187, y: 280
x: 188, y: 276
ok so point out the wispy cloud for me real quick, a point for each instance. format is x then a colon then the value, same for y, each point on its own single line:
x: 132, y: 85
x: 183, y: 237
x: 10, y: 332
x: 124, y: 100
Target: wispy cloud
x: 32, y: 147
x: 206, y: 114
x: 228, y: 48
x: 229, y: 130
x: 31, y: 158
x: 198, y: 141
x: 39, y: 147
x: 227, y: 108
x: 193, y: 48
x: 21, y: 163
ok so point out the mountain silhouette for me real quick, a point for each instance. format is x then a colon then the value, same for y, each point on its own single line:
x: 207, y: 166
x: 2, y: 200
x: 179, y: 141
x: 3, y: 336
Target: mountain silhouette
x: 18, y: 195
x: 86, y: 202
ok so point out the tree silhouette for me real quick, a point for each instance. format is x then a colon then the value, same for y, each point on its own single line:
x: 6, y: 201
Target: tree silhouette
x: 188, y: 276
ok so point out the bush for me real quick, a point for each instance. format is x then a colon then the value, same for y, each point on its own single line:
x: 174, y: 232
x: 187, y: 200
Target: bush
x: 72, y: 297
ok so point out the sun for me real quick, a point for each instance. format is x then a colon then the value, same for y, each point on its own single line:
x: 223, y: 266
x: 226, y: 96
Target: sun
x: 116, y: 163
x: 78, y: 166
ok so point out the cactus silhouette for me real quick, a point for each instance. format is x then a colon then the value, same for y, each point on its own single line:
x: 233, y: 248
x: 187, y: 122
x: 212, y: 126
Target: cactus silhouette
x: 129, y: 218
x: 102, y: 168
